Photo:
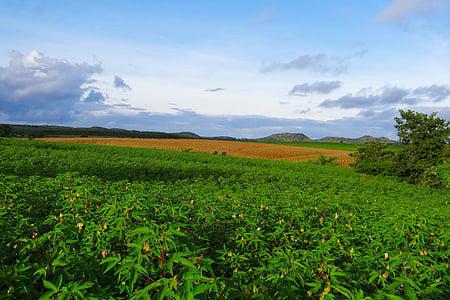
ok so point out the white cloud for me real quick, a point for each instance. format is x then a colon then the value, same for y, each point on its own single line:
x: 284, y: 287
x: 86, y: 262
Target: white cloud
x: 35, y: 87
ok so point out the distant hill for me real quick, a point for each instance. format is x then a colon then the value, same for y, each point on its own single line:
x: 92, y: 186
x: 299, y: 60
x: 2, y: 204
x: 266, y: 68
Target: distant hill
x: 96, y: 131
x: 285, y: 137
x: 361, y: 140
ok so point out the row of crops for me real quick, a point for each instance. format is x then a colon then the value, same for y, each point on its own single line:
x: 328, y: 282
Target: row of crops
x: 80, y: 221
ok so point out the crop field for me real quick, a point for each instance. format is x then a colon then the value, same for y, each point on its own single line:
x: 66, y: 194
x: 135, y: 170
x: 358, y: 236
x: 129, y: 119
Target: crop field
x: 233, y: 148
x: 81, y: 221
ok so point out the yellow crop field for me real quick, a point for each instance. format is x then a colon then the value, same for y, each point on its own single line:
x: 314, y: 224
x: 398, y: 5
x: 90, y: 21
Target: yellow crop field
x: 233, y: 148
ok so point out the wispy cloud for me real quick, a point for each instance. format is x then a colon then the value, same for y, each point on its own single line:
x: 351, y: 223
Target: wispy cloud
x: 318, y: 87
x: 213, y: 90
x: 319, y: 63
x: 119, y: 83
x: 400, y: 9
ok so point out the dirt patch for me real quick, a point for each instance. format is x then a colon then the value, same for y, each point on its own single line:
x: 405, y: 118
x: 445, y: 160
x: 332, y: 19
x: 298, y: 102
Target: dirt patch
x: 233, y: 148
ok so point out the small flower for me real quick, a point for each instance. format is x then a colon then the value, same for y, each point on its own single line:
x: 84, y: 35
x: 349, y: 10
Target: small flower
x: 34, y: 234
x: 80, y: 226
x: 146, y: 247
x: 423, y: 252
x: 230, y: 254
x: 104, y: 253
x: 386, y: 255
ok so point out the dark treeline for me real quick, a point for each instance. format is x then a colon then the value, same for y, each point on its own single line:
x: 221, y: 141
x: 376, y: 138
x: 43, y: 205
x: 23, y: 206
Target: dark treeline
x: 38, y: 131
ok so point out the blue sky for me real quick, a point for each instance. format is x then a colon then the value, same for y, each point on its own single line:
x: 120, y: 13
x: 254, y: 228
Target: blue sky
x: 240, y: 68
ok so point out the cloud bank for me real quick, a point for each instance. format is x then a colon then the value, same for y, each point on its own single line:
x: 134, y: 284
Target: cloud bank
x: 390, y: 96
x: 35, y: 87
x: 38, y: 89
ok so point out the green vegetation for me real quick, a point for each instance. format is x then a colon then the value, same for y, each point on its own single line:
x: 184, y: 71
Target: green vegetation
x: 365, y: 139
x: 90, y: 221
x: 423, y: 153
x: 40, y: 131
x: 322, y: 145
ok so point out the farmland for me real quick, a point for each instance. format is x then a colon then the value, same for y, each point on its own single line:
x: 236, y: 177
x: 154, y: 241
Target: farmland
x: 233, y: 148
x: 83, y: 220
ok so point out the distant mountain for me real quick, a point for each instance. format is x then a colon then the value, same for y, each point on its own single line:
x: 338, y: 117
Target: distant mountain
x: 285, y: 137
x: 361, y: 140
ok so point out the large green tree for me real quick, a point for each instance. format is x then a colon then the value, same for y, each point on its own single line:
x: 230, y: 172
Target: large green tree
x: 424, y: 141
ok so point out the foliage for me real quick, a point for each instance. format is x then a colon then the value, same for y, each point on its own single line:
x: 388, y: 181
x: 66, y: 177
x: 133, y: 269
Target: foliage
x: 324, y: 160
x: 5, y: 130
x: 375, y: 158
x: 51, y: 130
x: 423, y: 147
x: 108, y: 222
x: 424, y: 139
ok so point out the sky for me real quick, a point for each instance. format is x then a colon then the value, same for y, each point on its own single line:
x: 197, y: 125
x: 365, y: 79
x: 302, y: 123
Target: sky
x: 236, y: 68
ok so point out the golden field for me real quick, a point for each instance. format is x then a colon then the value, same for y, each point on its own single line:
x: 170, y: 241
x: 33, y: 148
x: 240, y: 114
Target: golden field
x: 233, y: 148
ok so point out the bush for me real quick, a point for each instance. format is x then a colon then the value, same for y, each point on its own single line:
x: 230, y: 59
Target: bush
x: 443, y: 172
x: 374, y: 158
x: 326, y: 160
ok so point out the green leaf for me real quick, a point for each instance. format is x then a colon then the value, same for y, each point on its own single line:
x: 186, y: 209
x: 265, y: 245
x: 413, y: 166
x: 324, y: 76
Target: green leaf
x: 393, y: 297
x: 50, y: 286
x: 47, y: 295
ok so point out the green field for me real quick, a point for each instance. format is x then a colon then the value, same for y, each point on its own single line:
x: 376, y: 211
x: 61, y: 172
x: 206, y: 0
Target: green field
x: 111, y: 222
x: 322, y: 145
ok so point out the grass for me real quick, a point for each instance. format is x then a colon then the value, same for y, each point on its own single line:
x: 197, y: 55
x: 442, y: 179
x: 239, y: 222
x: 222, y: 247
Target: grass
x: 321, y: 145
x: 328, y: 145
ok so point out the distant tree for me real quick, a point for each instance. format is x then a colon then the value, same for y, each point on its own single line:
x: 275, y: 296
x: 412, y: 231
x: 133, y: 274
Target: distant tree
x: 5, y: 130
x: 37, y: 134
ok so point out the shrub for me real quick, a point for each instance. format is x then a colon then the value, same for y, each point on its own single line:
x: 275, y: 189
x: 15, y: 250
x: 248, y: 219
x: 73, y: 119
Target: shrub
x: 374, y: 158
x: 326, y: 160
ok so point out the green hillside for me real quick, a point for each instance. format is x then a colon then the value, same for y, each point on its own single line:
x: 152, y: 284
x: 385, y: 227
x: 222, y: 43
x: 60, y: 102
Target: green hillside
x: 322, y: 145
x: 110, y: 222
